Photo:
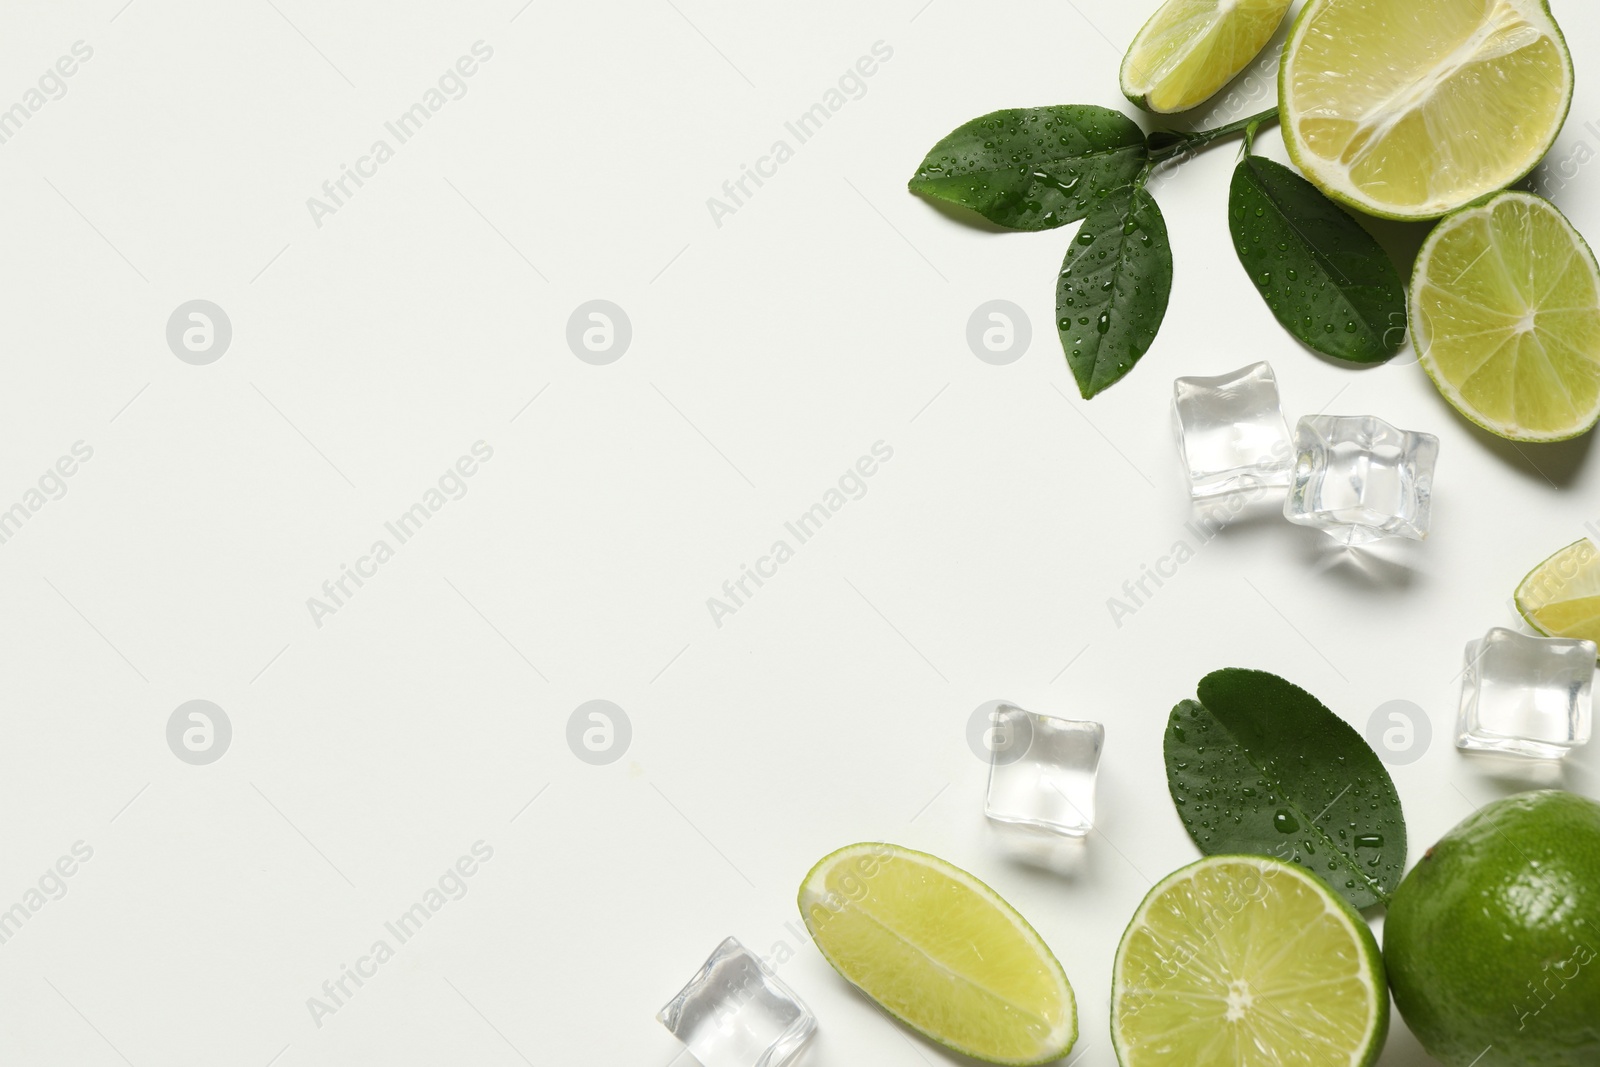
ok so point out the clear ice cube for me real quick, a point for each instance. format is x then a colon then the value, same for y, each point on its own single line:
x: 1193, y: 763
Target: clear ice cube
x: 1231, y: 433
x: 1358, y: 479
x: 1526, y: 696
x: 733, y: 1013
x: 1041, y: 784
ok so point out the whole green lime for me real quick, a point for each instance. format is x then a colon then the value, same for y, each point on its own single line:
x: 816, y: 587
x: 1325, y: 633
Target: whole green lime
x: 1492, y: 942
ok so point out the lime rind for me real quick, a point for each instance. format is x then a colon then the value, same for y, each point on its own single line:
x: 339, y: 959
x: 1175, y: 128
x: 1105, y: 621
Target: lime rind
x: 814, y: 893
x: 1326, y: 178
x: 1367, y: 975
x: 1577, y: 344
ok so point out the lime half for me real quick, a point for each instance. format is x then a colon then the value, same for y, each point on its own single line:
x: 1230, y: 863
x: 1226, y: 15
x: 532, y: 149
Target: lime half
x: 1561, y: 596
x: 1411, y: 110
x: 1505, y: 308
x: 1246, y: 961
x: 1190, y: 49
x: 941, y: 952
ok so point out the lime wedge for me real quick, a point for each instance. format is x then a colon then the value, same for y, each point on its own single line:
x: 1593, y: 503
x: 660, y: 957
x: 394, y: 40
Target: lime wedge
x: 941, y: 952
x: 1411, y: 110
x: 1190, y: 49
x: 1505, y: 309
x: 1561, y: 596
x: 1246, y: 961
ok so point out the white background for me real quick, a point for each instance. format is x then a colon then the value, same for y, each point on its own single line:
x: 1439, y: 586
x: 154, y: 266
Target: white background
x: 768, y: 354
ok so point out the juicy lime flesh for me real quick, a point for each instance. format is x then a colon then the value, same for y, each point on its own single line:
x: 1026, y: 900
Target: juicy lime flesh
x: 1561, y: 597
x: 1416, y: 109
x: 1190, y: 49
x: 940, y: 951
x: 1506, y: 303
x: 1493, y: 940
x: 1247, y: 962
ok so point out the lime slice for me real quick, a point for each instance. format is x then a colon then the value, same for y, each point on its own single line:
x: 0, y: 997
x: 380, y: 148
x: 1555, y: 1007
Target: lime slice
x: 1247, y: 961
x: 1411, y: 110
x: 1192, y: 48
x: 1561, y: 596
x: 941, y: 952
x: 1505, y: 309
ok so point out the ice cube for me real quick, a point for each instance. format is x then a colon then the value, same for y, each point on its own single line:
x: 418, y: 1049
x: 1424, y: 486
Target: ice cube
x: 1358, y: 479
x: 733, y: 1013
x: 1041, y: 784
x: 1526, y: 696
x: 1231, y: 433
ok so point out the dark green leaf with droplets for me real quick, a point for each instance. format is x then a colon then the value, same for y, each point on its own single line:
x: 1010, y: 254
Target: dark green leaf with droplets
x: 1257, y: 765
x: 1324, y: 277
x: 1112, y: 291
x: 1034, y: 168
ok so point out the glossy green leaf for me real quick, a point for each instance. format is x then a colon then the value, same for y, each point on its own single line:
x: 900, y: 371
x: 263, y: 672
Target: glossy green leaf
x: 1258, y: 765
x: 1034, y: 168
x: 1324, y: 277
x: 1112, y: 291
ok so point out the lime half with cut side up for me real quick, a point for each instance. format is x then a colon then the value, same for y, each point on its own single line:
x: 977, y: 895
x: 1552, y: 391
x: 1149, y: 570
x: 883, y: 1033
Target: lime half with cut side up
x: 1410, y: 110
x: 1247, y: 961
x: 1505, y: 315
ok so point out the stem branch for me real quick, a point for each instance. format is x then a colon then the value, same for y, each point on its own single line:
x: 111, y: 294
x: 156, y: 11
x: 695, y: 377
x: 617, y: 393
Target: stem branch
x: 1193, y: 142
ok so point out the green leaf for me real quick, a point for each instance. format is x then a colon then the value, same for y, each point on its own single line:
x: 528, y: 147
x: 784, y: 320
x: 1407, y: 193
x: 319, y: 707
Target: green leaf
x: 1034, y: 168
x: 1324, y: 277
x: 1113, y: 289
x: 1258, y: 765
